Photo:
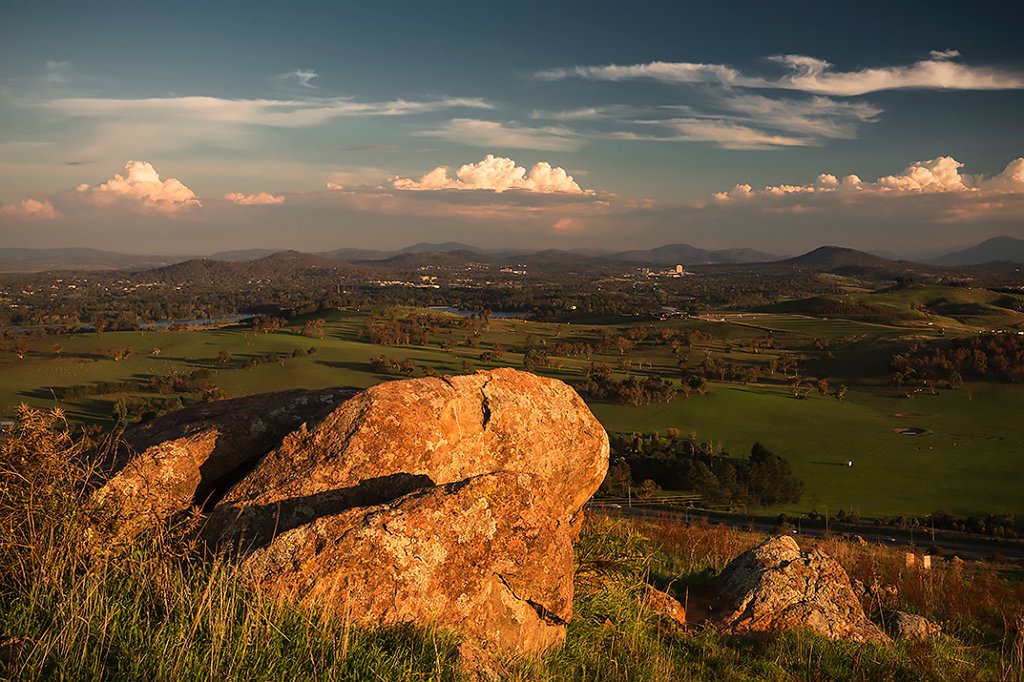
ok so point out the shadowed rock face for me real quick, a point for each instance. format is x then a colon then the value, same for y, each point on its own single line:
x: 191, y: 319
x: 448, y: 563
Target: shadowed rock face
x: 450, y: 501
x: 775, y: 586
x: 191, y: 457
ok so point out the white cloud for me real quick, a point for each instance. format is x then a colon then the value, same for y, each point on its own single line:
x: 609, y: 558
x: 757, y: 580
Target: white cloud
x: 480, y: 133
x: 257, y: 199
x: 938, y: 73
x: 819, y: 116
x: 810, y: 74
x: 724, y: 133
x: 140, y: 186
x: 940, y: 175
x: 303, y: 77
x: 497, y: 174
x: 669, y: 72
x: 30, y: 208
x: 291, y: 113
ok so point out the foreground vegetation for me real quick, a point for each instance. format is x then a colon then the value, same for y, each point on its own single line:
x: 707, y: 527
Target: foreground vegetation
x: 70, y: 609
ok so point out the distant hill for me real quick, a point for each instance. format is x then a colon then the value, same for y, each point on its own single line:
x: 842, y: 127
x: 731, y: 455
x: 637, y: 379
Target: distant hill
x: 685, y: 254
x: 282, y: 263
x: 39, y: 260
x: 417, y: 259
x: 294, y: 260
x: 828, y: 258
x: 427, y: 247
x: 989, y: 251
x: 244, y: 254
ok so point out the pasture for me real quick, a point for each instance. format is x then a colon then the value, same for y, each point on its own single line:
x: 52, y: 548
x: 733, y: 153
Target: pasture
x: 966, y: 462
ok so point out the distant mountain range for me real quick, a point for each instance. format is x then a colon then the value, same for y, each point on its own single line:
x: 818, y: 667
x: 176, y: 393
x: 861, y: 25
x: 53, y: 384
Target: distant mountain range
x: 825, y: 258
x: 39, y: 260
x: 997, y: 249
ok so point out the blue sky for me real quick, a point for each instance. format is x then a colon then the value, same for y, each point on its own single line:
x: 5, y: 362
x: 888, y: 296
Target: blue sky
x: 318, y: 125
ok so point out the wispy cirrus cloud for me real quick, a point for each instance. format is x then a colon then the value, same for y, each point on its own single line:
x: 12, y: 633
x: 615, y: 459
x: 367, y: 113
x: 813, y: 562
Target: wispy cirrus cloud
x: 289, y: 113
x: 812, y: 75
x: 302, y: 77
x: 668, y: 72
x: 724, y: 133
x: 482, y: 133
x: 728, y: 107
x: 818, y: 76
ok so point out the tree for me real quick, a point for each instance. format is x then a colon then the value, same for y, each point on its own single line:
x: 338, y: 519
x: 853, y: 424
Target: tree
x: 770, y: 478
x: 224, y: 356
x: 19, y: 348
x: 618, y: 479
x: 314, y: 328
x: 119, y: 353
x: 648, y: 489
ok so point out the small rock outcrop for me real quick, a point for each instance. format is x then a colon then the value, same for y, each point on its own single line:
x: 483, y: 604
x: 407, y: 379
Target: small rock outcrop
x: 664, y: 605
x: 908, y: 627
x: 452, y: 501
x: 775, y: 586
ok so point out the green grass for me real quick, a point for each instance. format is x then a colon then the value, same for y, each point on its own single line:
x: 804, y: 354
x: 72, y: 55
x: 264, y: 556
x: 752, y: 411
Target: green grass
x: 967, y: 464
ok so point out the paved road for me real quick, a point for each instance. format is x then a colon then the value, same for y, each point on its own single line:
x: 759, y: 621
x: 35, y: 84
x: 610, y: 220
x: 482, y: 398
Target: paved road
x: 966, y: 546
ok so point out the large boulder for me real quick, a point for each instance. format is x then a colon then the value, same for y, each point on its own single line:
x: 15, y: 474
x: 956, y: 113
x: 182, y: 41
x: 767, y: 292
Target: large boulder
x: 775, y: 586
x: 191, y: 457
x: 451, y: 501
x: 400, y: 435
x: 490, y: 556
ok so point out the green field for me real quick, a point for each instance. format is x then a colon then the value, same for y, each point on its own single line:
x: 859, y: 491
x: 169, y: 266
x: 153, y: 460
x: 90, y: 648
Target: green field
x: 966, y: 462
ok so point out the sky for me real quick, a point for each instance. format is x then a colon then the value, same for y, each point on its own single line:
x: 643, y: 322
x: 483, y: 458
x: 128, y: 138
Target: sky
x: 191, y: 127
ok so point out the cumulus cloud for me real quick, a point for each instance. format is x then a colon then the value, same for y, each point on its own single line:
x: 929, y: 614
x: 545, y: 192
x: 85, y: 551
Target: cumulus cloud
x: 497, y: 174
x: 813, y: 75
x: 257, y: 199
x: 140, y: 186
x: 934, y: 176
x: 30, y: 208
x: 511, y: 135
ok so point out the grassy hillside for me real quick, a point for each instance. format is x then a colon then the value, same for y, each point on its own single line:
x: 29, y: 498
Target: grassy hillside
x: 154, y: 611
